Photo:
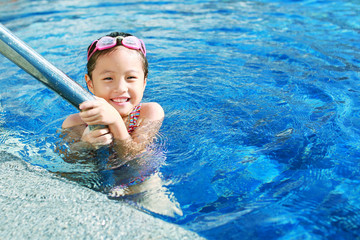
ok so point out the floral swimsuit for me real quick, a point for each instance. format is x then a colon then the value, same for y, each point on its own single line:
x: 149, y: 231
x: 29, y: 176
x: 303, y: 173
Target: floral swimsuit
x: 133, y: 118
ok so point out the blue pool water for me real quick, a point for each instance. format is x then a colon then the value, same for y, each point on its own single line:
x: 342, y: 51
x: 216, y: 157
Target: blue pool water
x: 262, y: 124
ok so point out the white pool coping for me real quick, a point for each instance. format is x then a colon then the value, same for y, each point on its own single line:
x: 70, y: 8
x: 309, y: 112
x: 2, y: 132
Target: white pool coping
x: 35, y: 204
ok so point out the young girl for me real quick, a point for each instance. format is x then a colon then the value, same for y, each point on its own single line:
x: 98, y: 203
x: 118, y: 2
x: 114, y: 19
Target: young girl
x: 117, y: 71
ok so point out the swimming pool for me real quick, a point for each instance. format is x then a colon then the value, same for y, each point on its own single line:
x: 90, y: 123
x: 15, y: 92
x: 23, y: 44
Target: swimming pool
x: 261, y: 100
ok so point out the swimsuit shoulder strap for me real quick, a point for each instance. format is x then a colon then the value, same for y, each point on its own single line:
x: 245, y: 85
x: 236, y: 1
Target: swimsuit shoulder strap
x: 133, y: 118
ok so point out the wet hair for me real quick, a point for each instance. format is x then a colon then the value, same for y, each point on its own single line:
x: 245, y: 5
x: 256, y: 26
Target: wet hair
x: 92, y: 61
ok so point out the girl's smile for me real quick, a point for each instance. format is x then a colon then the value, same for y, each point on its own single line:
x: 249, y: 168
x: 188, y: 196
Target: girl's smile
x: 118, y: 77
x: 120, y: 101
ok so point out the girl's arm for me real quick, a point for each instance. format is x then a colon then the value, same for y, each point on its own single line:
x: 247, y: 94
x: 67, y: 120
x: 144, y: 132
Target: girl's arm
x: 79, y: 131
x: 149, y: 123
x: 100, y: 112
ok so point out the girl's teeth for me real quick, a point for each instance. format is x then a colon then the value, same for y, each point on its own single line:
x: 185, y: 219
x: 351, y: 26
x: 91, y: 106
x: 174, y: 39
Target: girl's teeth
x: 121, y: 100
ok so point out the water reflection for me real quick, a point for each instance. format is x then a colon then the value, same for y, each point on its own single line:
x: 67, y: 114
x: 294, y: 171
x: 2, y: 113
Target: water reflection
x: 136, y: 180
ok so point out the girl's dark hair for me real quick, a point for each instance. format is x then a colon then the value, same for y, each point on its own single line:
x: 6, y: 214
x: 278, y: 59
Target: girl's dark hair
x: 92, y: 61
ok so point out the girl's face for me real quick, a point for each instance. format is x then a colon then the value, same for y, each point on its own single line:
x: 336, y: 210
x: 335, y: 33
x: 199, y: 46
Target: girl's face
x: 118, y: 77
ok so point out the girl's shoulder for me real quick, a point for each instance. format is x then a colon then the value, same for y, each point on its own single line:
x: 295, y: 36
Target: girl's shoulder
x: 72, y: 121
x: 152, y: 111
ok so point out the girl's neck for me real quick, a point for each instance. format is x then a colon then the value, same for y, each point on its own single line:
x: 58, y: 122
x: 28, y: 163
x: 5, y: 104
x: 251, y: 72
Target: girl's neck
x: 125, y: 118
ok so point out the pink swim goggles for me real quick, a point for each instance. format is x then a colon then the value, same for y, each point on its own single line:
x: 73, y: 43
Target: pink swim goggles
x: 107, y: 42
